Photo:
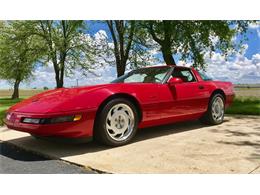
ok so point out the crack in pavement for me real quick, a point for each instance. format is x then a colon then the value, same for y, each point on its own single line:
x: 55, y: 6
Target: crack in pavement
x: 254, y: 169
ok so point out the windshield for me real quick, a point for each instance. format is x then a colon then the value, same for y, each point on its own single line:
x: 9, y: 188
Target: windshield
x: 144, y: 75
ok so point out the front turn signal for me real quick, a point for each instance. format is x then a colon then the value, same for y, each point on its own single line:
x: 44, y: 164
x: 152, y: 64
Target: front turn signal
x: 77, y: 117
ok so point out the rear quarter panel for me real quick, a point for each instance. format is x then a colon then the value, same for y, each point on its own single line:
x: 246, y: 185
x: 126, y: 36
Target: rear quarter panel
x: 226, y: 87
x: 211, y: 86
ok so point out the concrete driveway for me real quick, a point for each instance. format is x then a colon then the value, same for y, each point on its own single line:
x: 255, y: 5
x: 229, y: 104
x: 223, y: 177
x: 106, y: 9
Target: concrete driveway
x: 190, y: 147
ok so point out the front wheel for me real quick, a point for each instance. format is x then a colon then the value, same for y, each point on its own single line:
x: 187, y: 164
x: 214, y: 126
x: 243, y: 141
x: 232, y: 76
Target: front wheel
x: 117, y: 123
x: 216, y: 110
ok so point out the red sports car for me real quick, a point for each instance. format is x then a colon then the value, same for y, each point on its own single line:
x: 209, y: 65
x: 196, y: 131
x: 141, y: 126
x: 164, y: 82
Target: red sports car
x: 111, y: 113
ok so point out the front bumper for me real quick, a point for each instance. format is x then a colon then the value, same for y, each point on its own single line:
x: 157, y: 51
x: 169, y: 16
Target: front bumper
x: 75, y: 129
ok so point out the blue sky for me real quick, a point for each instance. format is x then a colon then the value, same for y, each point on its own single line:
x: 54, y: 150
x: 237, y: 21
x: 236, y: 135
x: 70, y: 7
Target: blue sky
x: 242, y: 68
x: 253, y: 42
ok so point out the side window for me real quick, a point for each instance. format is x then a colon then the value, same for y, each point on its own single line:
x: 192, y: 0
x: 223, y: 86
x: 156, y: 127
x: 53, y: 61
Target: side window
x: 185, y: 75
x: 159, y: 77
x: 189, y: 76
x: 135, y: 78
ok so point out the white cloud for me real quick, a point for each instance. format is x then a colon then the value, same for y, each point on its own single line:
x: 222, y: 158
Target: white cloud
x: 255, y: 25
x: 183, y: 63
x: 239, y: 70
x: 258, y: 33
x: 105, y: 75
x: 45, y: 78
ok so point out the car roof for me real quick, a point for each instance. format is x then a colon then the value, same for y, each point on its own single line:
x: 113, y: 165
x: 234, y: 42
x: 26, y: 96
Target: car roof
x: 161, y: 66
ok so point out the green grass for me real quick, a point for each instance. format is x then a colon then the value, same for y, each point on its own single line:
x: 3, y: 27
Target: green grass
x: 246, y: 106
x: 5, y: 103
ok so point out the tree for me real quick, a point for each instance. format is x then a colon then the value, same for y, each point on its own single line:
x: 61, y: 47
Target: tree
x: 122, y: 33
x: 128, y: 47
x: 64, y: 47
x: 17, y: 55
x: 191, y: 39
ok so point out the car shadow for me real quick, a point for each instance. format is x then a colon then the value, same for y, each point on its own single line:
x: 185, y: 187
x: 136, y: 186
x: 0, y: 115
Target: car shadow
x: 253, y: 144
x: 56, y: 150
x: 245, y: 137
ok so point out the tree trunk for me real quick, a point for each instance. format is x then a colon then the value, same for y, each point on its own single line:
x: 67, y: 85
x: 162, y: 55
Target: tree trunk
x: 62, y: 65
x: 59, y: 83
x: 59, y: 74
x: 61, y: 77
x: 59, y: 80
x: 122, y: 45
x: 120, y: 67
x: 167, y: 55
x: 16, y: 89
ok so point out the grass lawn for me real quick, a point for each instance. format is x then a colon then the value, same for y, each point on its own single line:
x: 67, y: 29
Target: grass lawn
x: 241, y: 105
x: 5, y: 103
x: 245, y: 105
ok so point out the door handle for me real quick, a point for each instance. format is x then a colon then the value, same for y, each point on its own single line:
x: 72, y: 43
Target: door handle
x: 201, y: 87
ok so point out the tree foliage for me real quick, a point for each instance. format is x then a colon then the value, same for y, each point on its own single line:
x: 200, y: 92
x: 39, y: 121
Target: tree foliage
x: 192, y: 39
x: 63, y: 43
x: 127, y: 48
x: 17, y: 54
x: 122, y: 35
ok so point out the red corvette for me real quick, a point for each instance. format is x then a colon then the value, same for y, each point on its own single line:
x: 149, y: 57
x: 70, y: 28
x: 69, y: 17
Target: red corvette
x: 111, y: 113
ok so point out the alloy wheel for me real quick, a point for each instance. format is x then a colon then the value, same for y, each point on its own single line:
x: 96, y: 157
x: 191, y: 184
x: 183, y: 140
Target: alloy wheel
x: 120, y: 122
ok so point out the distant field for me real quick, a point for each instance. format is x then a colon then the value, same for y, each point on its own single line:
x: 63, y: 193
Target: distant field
x: 247, y: 85
x: 23, y: 92
x: 247, y: 92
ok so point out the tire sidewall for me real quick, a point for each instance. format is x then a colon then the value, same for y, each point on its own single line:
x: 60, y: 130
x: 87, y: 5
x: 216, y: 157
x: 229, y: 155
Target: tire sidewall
x: 101, y: 126
x: 212, y: 120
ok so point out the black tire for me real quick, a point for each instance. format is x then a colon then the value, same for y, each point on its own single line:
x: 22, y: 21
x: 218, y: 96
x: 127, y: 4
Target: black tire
x: 100, y: 132
x: 208, y: 118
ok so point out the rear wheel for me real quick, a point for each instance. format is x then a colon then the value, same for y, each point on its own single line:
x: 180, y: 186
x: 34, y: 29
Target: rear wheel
x: 117, y: 123
x: 215, y: 112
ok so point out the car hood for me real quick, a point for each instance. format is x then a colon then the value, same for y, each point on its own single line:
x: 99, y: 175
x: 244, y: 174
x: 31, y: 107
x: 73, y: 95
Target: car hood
x: 58, y: 100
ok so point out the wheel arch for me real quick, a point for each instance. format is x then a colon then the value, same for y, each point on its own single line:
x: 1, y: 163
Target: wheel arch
x: 218, y: 91
x: 125, y: 96
x: 206, y: 118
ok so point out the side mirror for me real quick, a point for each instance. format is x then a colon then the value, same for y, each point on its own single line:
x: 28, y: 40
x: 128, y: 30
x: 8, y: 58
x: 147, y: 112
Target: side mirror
x: 174, y: 80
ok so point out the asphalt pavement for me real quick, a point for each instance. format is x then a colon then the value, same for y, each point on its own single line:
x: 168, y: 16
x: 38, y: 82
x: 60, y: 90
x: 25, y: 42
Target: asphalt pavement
x: 14, y: 160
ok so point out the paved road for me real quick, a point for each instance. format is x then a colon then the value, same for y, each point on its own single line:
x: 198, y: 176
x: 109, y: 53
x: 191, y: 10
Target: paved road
x: 16, y: 160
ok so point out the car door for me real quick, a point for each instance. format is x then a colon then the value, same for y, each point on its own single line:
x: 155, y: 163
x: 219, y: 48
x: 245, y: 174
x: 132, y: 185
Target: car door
x: 183, y: 99
x: 149, y: 95
x: 147, y: 91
